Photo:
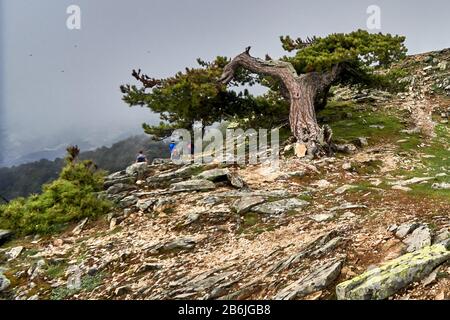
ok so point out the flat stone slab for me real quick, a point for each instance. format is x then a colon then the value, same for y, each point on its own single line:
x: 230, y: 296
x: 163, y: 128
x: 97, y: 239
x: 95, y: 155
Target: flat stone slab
x: 280, y: 206
x: 214, y: 174
x: 183, y: 243
x: 193, y: 185
x: 384, y: 281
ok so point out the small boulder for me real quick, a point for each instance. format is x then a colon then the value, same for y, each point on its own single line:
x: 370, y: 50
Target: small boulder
x: 236, y: 181
x: 347, y: 166
x: 361, y: 142
x: 441, y: 236
x: 280, y: 206
x: 405, y: 229
x: 14, y: 252
x: 145, y: 204
x: 120, y: 187
x: 347, y: 148
x: 137, y: 169
x: 214, y: 175
x: 4, y: 282
x: 321, y: 217
x: 4, y: 235
x: 128, y: 201
x: 120, y: 291
x: 321, y: 184
x: 244, y: 204
x: 419, y: 238
x: 183, y: 243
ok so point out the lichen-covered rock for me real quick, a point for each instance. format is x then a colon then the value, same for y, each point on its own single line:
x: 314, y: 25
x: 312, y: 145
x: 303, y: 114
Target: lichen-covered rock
x: 382, y: 282
x: 194, y: 185
x: 280, y: 206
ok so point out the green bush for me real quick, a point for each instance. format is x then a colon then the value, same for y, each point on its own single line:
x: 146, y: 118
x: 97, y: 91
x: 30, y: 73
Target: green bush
x: 69, y: 198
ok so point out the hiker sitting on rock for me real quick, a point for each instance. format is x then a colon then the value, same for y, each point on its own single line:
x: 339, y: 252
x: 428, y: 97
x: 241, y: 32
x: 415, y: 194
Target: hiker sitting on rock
x: 141, y: 157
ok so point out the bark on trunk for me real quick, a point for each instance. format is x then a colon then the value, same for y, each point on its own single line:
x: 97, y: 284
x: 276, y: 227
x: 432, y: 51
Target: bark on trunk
x: 302, y: 92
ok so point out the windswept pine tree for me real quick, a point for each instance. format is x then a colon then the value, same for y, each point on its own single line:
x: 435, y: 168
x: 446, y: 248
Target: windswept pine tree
x: 298, y: 84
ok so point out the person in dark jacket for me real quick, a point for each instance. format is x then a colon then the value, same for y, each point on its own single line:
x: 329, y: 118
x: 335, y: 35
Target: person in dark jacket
x: 141, y: 157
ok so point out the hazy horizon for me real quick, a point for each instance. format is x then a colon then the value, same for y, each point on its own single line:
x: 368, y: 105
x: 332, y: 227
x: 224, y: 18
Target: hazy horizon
x: 62, y: 86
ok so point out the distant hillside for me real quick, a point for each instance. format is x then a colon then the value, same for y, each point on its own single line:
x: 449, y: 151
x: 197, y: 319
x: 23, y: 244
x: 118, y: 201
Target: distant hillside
x: 28, y: 178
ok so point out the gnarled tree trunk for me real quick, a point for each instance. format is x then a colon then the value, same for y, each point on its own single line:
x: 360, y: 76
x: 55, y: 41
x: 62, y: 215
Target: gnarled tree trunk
x: 302, y: 92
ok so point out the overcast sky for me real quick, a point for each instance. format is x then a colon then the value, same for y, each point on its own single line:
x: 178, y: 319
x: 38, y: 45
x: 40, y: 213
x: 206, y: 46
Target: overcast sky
x: 58, y: 83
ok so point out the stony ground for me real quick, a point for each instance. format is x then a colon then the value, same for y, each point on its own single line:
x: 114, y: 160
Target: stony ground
x: 365, y: 224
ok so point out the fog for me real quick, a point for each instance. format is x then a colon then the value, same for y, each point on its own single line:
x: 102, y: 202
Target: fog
x: 61, y: 86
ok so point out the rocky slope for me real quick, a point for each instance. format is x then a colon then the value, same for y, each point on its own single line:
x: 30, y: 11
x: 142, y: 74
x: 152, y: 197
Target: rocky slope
x: 372, y: 223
